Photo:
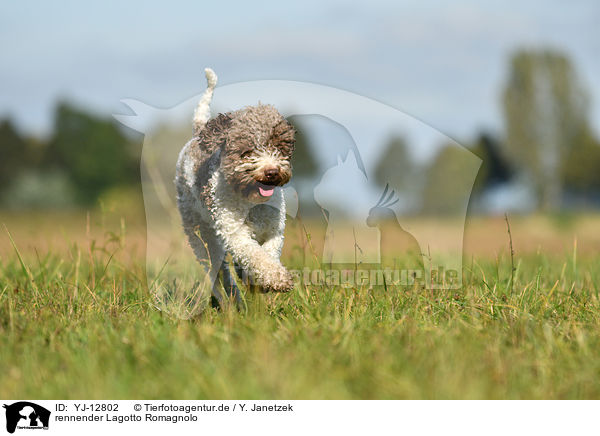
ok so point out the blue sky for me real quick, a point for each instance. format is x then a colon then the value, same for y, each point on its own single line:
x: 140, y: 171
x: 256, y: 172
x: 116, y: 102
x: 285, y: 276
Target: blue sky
x: 442, y: 62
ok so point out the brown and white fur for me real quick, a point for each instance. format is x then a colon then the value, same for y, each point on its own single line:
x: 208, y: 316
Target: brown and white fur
x: 228, y: 181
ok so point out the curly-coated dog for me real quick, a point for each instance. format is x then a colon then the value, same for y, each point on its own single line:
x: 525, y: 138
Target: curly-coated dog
x: 228, y: 178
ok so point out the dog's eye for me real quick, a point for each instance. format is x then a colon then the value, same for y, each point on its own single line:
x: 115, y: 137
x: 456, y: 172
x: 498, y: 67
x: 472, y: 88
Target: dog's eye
x: 246, y: 153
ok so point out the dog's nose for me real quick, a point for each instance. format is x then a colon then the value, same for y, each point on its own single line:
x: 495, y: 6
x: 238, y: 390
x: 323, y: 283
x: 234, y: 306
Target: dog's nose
x: 271, y: 173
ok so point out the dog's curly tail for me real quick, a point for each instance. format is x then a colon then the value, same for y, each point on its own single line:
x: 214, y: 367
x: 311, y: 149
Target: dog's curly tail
x: 202, y: 113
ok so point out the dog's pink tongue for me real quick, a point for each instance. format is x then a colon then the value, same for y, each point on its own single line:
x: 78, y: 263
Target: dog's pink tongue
x: 265, y: 192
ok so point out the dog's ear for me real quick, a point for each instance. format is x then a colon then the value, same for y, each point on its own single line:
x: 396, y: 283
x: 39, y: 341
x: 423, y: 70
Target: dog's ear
x: 213, y: 136
x: 284, y: 136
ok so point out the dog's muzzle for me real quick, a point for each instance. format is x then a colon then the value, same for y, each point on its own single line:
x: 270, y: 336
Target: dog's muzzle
x: 272, y: 177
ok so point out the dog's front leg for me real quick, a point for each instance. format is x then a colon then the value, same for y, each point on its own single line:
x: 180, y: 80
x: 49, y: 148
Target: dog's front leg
x: 229, y: 284
x: 258, y: 263
x: 274, y: 245
x: 266, y: 270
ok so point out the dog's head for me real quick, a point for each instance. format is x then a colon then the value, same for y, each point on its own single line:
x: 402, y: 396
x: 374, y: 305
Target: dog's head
x: 256, y: 148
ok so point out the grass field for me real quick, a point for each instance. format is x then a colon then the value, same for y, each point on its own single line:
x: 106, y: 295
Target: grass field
x: 77, y: 322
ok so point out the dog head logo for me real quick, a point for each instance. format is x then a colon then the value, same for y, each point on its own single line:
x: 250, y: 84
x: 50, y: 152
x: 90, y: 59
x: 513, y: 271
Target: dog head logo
x: 26, y: 415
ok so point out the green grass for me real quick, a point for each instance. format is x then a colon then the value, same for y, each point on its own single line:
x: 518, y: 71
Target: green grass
x: 81, y: 325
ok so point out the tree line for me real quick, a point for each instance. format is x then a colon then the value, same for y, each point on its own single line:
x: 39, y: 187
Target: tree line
x: 547, y: 145
x: 84, y: 156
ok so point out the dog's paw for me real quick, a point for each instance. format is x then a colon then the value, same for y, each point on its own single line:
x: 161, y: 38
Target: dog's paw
x: 280, y: 281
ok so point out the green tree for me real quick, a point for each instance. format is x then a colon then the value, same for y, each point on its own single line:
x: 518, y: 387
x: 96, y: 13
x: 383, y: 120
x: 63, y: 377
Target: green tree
x: 449, y: 181
x: 93, y: 152
x: 581, y: 166
x: 545, y: 112
x: 14, y: 153
x: 494, y: 167
x: 303, y: 161
x: 395, y: 165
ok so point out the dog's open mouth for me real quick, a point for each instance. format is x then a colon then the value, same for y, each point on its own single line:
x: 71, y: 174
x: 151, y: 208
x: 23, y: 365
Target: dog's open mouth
x: 266, y: 190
